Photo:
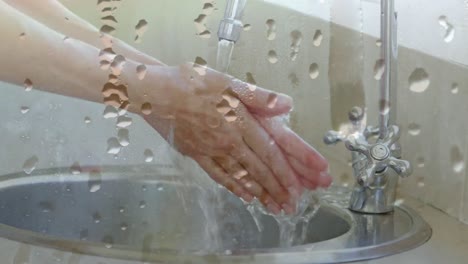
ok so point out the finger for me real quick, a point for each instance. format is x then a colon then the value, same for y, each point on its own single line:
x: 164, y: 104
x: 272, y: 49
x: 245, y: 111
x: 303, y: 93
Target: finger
x: 220, y: 176
x: 261, y: 174
x: 293, y: 145
x: 257, y: 139
x: 308, y: 184
x: 260, y: 101
x: 241, y: 175
x: 319, y: 178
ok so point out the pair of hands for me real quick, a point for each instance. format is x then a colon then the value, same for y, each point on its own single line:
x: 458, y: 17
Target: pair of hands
x: 235, y: 132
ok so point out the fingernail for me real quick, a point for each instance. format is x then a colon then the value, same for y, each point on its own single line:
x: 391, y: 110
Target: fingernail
x: 325, y: 179
x: 273, y: 208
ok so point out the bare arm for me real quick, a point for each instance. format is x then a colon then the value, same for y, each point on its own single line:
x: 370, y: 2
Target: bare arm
x: 56, y: 16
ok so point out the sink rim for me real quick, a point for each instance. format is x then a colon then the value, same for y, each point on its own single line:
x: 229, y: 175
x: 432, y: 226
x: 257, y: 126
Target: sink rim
x: 310, y: 253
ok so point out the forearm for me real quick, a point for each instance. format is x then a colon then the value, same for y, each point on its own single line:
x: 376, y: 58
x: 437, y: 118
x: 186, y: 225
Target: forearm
x: 68, y: 67
x: 57, y: 17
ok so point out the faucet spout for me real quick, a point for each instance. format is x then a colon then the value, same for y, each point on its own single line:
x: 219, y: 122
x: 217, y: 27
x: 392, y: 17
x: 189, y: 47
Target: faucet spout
x: 230, y: 27
x: 389, y: 53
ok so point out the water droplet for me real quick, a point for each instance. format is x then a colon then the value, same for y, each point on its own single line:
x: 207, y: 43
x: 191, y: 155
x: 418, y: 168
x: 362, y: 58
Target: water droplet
x: 109, y: 20
x: 420, y: 162
x: 124, y: 137
x: 24, y: 109
x: 230, y: 116
x: 87, y: 120
x: 419, y: 80
x: 118, y: 64
x: 122, y: 209
x: 378, y: 43
x: 75, y: 168
x: 240, y: 174
x: 46, y: 206
x: 208, y: 8
x: 449, y: 29
x: 199, y: 66
x: 223, y: 107
x: 123, y: 226
x: 421, y: 183
x: 140, y: 29
x: 22, y: 36
x: 271, y: 29
x: 142, y: 204
x: 293, y: 79
x: 30, y: 164
x: 124, y: 121
x: 28, y: 85
x: 314, y: 71
x: 110, y: 112
x: 414, y: 129
x: 113, y: 146
x: 272, y: 57
x: 200, y: 23
x: 454, y: 88
x: 148, y: 154
x: 84, y: 234
x: 159, y: 187
x: 318, y: 37
x: 457, y: 159
x: 206, y: 34
x: 379, y: 69
x: 107, y: 29
x: 272, y: 100
x: 296, y: 37
x: 96, y: 218
x: 231, y: 97
x: 108, y: 241
x: 141, y: 71
x: 247, y: 27
x: 144, y: 188
x: 94, y: 181
x: 146, y: 108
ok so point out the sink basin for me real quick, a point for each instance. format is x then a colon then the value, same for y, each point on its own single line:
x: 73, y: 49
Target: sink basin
x: 137, y: 214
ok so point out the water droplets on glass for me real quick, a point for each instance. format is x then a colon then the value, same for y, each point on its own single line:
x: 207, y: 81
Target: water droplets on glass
x: 271, y: 29
x: 87, y: 120
x: 124, y: 121
x: 113, y: 146
x: 141, y: 71
x: 454, y: 88
x: 272, y: 57
x: 96, y: 218
x: 142, y: 204
x: 149, y: 156
x: 414, y: 129
x: 314, y: 71
x: 94, y: 181
x: 272, y: 100
x: 420, y: 162
x: 200, y: 25
x: 110, y: 112
x: 140, y: 29
x: 30, y: 164
x: 419, y: 81
x: 75, y: 168
x: 318, y: 37
x: 379, y: 69
x: 449, y: 29
x: 247, y: 27
x: 22, y: 36
x: 199, y: 66
x: 124, y: 137
x: 458, y: 162
x: 296, y: 40
x: 28, y: 85
x: 24, y: 109
x: 146, y: 108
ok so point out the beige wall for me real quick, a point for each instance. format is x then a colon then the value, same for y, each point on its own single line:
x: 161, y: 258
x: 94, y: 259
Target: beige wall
x: 171, y: 37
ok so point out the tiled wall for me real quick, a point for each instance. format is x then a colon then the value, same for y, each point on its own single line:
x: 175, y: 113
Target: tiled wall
x: 346, y: 63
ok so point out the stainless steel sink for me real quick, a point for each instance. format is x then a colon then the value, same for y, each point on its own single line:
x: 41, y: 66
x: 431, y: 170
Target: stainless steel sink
x: 138, y: 214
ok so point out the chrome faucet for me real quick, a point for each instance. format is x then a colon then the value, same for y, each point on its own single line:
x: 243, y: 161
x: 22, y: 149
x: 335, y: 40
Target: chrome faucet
x: 231, y: 25
x: 377, y: 164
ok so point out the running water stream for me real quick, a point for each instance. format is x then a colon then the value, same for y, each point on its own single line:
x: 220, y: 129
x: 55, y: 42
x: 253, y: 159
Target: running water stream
x: 308, y: 203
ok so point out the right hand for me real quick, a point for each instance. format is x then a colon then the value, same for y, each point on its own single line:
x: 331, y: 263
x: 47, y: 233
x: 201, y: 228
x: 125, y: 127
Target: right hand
x: 229, y: 128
